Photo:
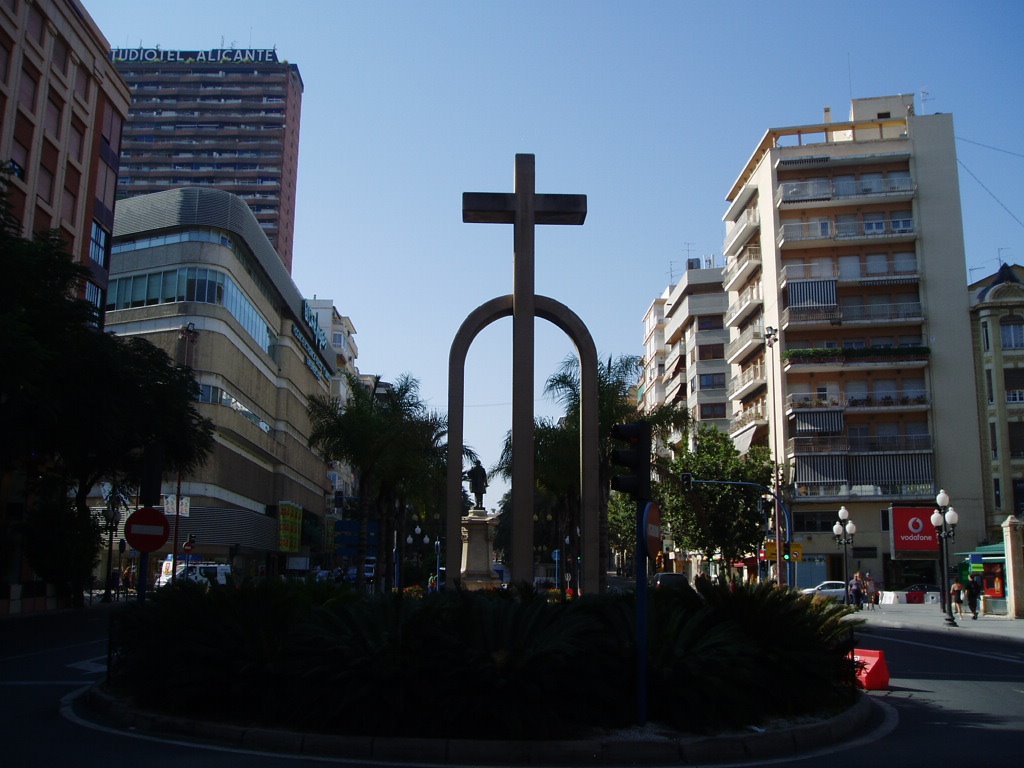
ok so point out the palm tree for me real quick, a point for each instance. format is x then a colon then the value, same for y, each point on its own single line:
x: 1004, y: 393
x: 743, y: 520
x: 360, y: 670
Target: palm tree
x: 556, y: 497
x: 617, y: 403
x: 373, y: 433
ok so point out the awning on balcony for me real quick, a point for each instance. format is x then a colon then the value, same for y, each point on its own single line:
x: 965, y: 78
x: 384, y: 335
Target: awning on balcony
x: 812, y: 293
x: 888, y: 468
x: 818, y: 422
x: 743, y: 440
x: 826, y: 470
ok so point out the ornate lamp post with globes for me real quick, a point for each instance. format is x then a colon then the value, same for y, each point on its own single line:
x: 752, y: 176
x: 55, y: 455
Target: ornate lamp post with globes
x: 843, y: 530
x: 945, y: 519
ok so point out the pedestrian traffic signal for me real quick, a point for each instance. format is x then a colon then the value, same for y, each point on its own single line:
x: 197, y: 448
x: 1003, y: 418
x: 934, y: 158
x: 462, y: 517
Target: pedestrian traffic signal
x: 636, y: 459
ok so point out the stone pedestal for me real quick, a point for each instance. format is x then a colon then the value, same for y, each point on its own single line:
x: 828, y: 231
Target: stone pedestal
x: 477, y: 549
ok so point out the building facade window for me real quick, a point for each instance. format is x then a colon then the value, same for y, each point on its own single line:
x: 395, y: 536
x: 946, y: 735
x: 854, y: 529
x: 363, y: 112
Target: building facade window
x: 712, y: 410
x: 997, y: 496
x: 984, y: 336
x: 94, y: 295
x: 99, y: 241
x: 198, y: 284
x: 27, y: 90
x: 712, y: 381
x: 1012, y: 332
x: 710, y: 323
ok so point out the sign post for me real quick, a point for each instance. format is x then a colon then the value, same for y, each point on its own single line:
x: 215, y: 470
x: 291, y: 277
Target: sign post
x: 146, y: 530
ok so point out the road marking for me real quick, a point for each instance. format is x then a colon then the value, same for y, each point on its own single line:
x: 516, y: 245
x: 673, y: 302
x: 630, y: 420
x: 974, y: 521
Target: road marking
x: 991, y: 656
x: 889, y: 722
x: 51, y: 650
x: 93, y: 666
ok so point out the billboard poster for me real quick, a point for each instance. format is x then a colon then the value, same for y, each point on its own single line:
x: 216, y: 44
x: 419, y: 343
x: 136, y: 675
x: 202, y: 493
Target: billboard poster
x: 912, y: 534
x: 289, y: 526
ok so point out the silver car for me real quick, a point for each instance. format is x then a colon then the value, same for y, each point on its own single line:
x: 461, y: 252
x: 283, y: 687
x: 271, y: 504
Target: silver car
x: 833, y: 590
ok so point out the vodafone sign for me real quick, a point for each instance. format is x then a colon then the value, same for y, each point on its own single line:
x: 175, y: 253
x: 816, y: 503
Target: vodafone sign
x: 913, y: 536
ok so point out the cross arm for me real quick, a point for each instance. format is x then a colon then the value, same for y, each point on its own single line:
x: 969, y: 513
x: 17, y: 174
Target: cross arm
x: 500, y: 208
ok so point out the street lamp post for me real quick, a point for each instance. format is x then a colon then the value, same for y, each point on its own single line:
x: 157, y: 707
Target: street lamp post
x: 113, y: 517
x: 771, y: 337
x: 843, y: 530
x: 945, y: 519
x: 189, y: 335
x: 437, y: 563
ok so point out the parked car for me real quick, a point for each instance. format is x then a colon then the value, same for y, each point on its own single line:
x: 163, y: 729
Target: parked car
x: 369, y: 570
x: 200, y: 573
x: 833, y: 590
x: 670, y: 581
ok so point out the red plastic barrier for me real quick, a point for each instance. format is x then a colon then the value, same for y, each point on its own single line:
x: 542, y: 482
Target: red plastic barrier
x: 872, y: 671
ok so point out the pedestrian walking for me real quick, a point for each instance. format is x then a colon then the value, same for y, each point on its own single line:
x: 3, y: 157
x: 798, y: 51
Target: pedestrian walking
x: 973, y: 588
x: 857, y: 590
x: 870, y: 592
x: 956, y: 594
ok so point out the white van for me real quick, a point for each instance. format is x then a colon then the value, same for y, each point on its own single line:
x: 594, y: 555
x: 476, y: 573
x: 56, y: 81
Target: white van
x: 201, y: 573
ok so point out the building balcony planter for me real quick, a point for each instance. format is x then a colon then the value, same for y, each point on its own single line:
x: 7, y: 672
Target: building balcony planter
x: 858, y: 355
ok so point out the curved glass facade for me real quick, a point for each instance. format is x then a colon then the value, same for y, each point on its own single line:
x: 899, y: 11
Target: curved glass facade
x: 208, y: 286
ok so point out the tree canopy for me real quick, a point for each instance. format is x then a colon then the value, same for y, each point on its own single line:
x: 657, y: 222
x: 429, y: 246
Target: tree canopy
x: 77, y: 406
x: 712, y: 519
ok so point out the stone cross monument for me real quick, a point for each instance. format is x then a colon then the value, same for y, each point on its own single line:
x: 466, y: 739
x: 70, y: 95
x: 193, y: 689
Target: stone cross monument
x: 524, y: 209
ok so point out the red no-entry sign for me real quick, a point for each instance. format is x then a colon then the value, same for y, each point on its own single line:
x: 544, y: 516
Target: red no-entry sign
x: 146, y: 529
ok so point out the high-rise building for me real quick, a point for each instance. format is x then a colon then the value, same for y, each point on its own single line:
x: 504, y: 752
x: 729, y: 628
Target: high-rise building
x: 849, y: 322
x: 223, y: 118
x: 62, y: 106
x: 997, y: 322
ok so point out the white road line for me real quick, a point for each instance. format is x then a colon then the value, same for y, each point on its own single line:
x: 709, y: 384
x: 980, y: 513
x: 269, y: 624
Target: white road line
x: 51, y: 650
x: 992, y: 656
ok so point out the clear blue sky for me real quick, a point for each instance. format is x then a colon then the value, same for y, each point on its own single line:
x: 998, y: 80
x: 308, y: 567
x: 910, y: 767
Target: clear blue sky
x: 650, y: 109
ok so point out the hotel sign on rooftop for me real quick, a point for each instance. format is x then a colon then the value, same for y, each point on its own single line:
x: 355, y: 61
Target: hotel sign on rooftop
x: 214, y: 55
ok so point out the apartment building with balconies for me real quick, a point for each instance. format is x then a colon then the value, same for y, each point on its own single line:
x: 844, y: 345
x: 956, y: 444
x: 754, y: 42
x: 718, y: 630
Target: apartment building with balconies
x: 997, y: 325
x: 651, y: 392
x: 693, y: 339
x: 849, y: 326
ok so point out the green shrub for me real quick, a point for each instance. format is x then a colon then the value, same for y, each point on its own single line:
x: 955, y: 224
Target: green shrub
x: 481, y: 664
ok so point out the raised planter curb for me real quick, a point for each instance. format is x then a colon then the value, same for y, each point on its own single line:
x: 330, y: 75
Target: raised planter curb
x: 642, y: 749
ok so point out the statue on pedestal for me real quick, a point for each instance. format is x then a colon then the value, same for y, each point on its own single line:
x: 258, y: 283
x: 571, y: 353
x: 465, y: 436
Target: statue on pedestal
x: 477, y: 477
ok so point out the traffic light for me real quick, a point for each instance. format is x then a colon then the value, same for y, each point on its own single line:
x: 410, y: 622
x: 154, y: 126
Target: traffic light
x: 636, y: 458
x: 191, y: 539
x: 786, y: 554
x: 687, y: 481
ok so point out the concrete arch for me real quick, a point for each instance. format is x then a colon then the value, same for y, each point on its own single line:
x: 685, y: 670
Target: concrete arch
x: 569, y: 322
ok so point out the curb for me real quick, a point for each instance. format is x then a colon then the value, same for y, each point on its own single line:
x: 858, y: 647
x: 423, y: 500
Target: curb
x: 610, y: 750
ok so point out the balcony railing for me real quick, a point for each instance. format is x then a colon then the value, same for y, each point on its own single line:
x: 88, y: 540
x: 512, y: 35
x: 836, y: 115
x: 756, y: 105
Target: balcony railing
x: 753, y: 375
x: 830, y: 229
x: 753, y: 334
x: 808, y: 272
x: 852, y: 313
x: 748, y: 297
x: 859, y: 444
x: 827, y: 189
x: 743, y: 227
x: 893, y: 400
x: 746, y: 260
x: 747, y: 417
x: 814, y: 355
x: 901, y: 273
